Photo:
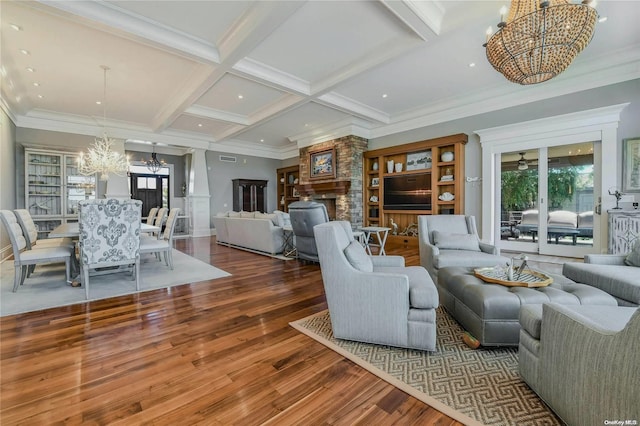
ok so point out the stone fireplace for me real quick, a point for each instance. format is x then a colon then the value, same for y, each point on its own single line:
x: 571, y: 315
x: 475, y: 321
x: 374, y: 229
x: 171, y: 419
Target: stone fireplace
x: 343, y: 195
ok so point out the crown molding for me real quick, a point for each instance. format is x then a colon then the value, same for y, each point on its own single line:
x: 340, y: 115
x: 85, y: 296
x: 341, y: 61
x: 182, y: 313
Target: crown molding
x: 339, y: 129
x: 7, y: 110
x: 252, y: 149
x: 163, y: 36
x: 623, y: 66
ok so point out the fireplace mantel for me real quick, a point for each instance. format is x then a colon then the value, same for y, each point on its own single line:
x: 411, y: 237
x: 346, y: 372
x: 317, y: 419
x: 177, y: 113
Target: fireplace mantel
x: 338, y: 187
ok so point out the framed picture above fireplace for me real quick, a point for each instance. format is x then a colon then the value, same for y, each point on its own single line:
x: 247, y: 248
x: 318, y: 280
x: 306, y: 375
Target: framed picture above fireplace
x: 322, y: 164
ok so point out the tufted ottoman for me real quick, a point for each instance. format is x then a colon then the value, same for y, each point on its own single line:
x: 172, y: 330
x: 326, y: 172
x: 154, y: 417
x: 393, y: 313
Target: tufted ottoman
x: 490, y: 311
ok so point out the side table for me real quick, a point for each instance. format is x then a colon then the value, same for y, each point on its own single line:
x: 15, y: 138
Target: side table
x: 380, y: 232
x: 289, y: 247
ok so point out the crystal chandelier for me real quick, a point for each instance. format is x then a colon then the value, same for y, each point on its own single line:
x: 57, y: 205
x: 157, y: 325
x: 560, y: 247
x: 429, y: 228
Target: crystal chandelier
x: 101, y: 158
x: 154, y: 165
x: 539, y: 40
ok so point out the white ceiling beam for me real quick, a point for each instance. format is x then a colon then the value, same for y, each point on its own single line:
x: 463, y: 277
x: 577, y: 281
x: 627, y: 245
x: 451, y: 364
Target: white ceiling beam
x: 260, y: 20
x: 162, y: 36
x: 388, y: 51
x: 423, y: 17
x: 216, y: 114
x: 350, y: 106
x: 275, y: 78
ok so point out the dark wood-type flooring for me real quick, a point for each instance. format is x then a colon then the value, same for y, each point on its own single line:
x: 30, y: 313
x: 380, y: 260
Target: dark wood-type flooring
x: 214, y: 353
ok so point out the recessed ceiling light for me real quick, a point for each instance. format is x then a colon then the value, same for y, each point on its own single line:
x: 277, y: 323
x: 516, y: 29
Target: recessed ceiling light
x: 384, y: 95
x: 602, y: 19
x: 261, y: 140
x: 30, y: 69
x: 306, y: 124
x: 16, y: 27
x: 472, y: 64
x: 240, y: 97
x: 35, y: 83
x: 24, y: 51
x: 199, y: 124
x: 98, y: 102
x: 40, y: 96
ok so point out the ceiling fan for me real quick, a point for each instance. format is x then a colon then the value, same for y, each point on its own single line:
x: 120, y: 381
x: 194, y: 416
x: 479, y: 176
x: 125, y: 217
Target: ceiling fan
x: 522, y: 163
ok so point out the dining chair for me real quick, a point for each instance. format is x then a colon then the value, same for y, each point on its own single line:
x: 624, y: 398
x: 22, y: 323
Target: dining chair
x: 160, y: 219
x: 23, y: 258
x: 30, y: 232
x: 109, y: 237
x: 164, y: 244
x: 152, y: 215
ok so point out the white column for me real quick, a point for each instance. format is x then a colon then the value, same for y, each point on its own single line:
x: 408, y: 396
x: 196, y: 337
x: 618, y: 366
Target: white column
x: 199, y: 195
x: 118, y: 186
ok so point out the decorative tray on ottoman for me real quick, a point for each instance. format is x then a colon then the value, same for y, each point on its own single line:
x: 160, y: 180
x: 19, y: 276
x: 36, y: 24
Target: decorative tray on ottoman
x: 527, y: 278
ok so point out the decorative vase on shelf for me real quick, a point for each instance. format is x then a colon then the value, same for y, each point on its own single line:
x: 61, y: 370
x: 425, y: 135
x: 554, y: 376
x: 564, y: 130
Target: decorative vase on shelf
x: 291, y: 179
x: 375, y: 165
x: 447, y: 156
x: 398, y: 167
x: 390, y: 166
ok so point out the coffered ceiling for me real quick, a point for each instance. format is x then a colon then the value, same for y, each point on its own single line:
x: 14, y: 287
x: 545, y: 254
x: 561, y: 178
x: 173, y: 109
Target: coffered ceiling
x: 268, y: 77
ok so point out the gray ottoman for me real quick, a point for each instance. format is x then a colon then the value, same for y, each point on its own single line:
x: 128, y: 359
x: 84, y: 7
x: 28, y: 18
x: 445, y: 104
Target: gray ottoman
x: 490, y: 312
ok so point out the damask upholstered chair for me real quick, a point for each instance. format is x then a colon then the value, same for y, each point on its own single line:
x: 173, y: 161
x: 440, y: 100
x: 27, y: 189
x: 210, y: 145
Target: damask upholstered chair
x: 109, y: 236
x: 304, y: 216
x: 22, y: 258
x: 452, y: 240
x: 164, y: 244
x: 375, y: 299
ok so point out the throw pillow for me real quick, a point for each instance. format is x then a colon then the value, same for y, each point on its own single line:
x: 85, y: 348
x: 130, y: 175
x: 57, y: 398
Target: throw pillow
x: 282, y: 218
x: 357, y: 257
x: 271, y: 217
x: 444, y: 240
x: 633, y: 258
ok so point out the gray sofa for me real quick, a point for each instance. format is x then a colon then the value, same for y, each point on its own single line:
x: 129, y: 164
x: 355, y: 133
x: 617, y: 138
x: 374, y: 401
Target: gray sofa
x: 249, y: 230
x: 583, y: 361
x: 607, y: 272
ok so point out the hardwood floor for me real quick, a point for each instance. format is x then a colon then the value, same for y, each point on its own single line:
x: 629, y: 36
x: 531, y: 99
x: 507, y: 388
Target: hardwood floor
x: 214, y: 353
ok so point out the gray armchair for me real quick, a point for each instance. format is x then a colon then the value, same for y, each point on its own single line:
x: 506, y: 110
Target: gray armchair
x: 304, y: 215
x: 374, y: 299
x: 452, y: 240
x: 582, y: 360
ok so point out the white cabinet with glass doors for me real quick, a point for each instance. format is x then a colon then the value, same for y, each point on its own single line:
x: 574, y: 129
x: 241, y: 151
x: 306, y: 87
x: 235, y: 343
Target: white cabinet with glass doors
x: 53, y: 188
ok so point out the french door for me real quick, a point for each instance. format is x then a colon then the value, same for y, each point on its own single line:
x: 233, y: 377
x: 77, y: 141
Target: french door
x: 548, y: 199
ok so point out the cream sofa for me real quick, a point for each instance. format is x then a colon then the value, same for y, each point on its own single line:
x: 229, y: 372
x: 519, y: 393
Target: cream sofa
x: 249, y: 230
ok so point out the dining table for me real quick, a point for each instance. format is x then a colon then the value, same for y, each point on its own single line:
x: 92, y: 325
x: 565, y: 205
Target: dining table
x: 72, y: 230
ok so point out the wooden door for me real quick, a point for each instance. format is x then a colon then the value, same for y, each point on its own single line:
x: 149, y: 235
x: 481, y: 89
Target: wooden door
x: 149, y: 189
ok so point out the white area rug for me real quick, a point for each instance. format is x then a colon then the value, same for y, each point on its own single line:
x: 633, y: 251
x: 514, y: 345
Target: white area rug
x: 47, y: 288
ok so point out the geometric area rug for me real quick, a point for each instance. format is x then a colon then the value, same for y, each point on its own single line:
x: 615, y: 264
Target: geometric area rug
x: 475, y: 387
x: 47, y: 287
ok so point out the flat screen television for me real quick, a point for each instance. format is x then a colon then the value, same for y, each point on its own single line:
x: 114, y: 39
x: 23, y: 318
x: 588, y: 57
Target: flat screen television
x: 407, y: 192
